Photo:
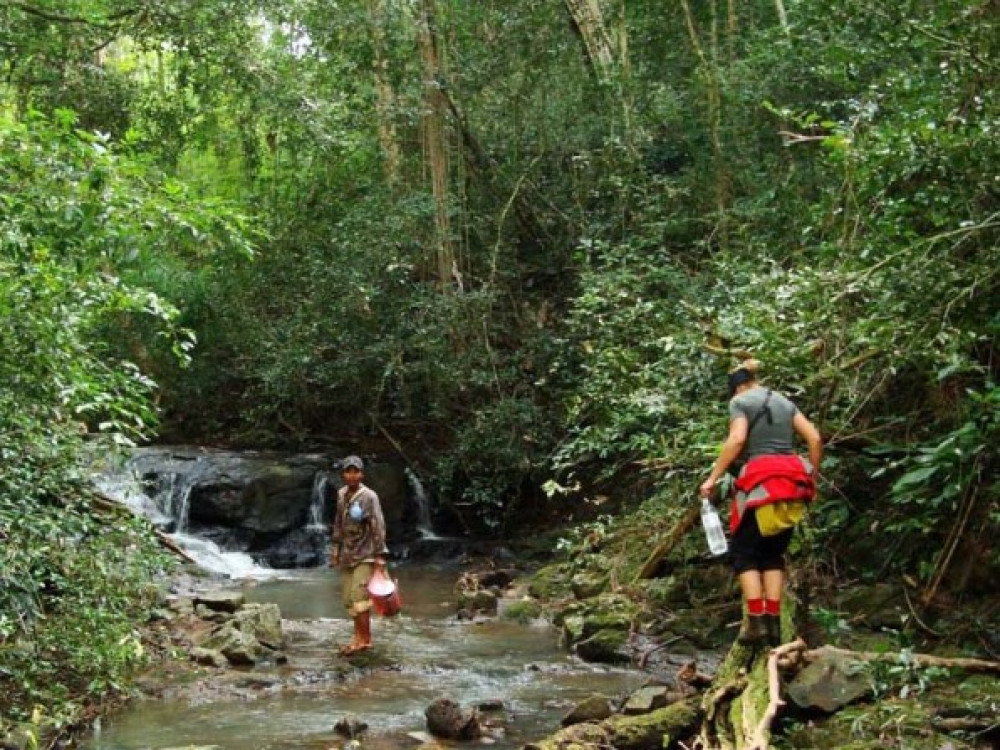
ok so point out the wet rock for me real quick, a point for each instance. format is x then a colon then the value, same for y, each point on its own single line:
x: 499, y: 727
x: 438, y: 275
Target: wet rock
x: 830, y: 683
x: 496, y: 578
x: 647, y: 699
x: 350, y: 726
x: 605, y: 646
x: 211, y: 615
x: 594, y: 708
x: 550, y: 582
x: 221, y: 601
x: 522, y: 609
x: 182, y: 605
x: 447, y: 719
x: 483, y: 600
x: 493, y: 704
x: 208, y: 657
x: 600, y: 636
x: 263, y: 622
x: 257, y: 681
x: 239, y: 648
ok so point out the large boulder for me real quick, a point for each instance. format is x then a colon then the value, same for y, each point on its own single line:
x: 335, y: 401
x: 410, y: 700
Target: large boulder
x: 830, y: 683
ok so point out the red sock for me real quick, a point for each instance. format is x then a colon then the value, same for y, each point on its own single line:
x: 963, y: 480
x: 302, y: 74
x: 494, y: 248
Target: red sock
x: 772, y: 606
x: 755, y: 607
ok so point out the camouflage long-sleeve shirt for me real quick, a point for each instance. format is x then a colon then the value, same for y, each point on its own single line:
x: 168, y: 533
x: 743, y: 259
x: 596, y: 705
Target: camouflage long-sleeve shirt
x: 359, y: 541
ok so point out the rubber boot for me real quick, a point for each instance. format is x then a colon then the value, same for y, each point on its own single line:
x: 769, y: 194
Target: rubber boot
x: 753, y: 631
x: 772, y: 626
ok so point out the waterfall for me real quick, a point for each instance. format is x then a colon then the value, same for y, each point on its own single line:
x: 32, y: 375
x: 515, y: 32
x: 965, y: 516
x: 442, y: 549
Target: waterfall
x: 424, y: 525
x: 174, y: 500
x: 318, y: 504
x: 169, y: 507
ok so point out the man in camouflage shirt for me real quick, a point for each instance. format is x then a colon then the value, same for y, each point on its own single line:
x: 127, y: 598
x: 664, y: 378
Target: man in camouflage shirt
x: 358, y: 548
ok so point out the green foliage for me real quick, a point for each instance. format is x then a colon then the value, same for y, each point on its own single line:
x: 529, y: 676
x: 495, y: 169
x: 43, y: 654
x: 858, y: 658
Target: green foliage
x: 822, y: 195
x: 76, y: 220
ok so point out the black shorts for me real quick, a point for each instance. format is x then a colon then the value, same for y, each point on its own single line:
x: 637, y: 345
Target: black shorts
x: 748, y: 550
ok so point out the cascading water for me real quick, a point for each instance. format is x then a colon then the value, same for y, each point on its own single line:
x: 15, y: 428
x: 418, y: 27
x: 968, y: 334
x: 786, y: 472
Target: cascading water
x: 318, y: 502
x: 168, y: 508
x: 425, y: 526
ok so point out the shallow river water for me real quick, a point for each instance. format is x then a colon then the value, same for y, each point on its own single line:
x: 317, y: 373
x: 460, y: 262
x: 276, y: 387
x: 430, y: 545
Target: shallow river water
x: 421, y: 655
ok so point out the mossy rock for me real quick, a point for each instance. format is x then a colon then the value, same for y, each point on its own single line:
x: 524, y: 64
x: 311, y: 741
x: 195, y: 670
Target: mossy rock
x: 588, y: 585
x: 600, y: 634
x: 550, y: 582
x: 523, y: 611
x: 606, y: 646
x: 706, y: 630
x: 670, y: 592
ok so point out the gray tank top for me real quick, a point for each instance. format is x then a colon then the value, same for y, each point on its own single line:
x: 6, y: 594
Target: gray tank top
x: 774, y: 435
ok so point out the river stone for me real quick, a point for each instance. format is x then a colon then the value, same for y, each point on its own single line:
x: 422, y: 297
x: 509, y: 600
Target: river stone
x: 646, y: 699
x: 593, y: 708
x: 221, y: 601
x: 605, y: 646
x: 182, y: 605
x: 263, y: 622
x: 208, y: 657
x: 830, y: 683
x: 447, y: 719
x: 482, y: 600
x: 549, y: 582
x: 238, y: 647
x: 350, y: 726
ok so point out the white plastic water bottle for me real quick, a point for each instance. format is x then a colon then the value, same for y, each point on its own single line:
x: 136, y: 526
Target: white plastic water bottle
x: 713, y: 529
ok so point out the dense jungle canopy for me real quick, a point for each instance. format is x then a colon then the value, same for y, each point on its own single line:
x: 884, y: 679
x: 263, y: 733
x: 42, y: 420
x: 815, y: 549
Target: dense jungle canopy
x: 520, y: 242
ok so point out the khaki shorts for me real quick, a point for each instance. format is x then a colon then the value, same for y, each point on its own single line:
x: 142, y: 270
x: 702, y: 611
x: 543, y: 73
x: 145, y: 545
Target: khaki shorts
x: 354, y: 587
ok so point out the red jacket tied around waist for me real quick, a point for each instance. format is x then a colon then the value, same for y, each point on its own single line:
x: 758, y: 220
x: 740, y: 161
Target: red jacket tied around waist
x: 771, y: 479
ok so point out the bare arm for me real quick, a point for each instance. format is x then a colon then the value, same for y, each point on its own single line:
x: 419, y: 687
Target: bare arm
x: 808, y: 432
x: 338, y: 533
x: 378, y: 531
x: 731, y: 449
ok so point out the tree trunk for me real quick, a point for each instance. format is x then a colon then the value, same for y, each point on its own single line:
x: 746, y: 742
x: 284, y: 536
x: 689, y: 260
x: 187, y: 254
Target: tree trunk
x: 713, y: 91
x: 588, y: 19
x: 436, y: 144
x: 654, y: 731
x: 385, y: 96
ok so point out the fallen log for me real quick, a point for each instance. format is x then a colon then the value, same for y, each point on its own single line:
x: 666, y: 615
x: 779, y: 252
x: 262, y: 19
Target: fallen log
x: 977, y: 666
x: 681, y: 528
x: 662, y: 729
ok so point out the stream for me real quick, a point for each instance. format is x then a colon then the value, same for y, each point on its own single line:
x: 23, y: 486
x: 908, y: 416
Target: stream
x: 423, y: 654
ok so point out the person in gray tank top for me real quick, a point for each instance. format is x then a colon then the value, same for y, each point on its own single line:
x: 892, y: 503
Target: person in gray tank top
x: 762, y: 423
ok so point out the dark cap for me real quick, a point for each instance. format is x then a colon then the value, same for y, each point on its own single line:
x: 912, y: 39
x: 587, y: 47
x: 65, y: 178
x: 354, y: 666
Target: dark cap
x: 737, y: 378
x: 352, y: 462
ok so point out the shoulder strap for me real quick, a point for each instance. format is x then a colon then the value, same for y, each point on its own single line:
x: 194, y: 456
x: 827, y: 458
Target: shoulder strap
x: 763, y: 408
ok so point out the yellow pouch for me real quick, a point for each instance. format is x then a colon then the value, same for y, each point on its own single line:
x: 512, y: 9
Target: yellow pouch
x: 774, y: 518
